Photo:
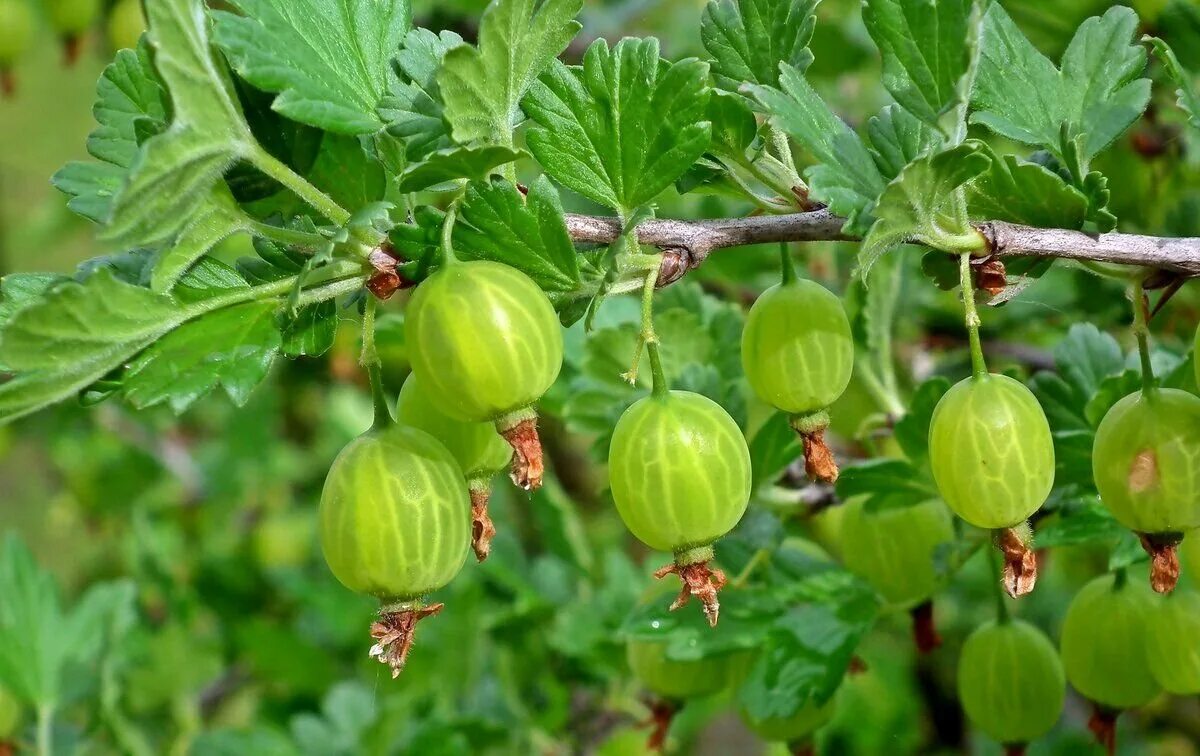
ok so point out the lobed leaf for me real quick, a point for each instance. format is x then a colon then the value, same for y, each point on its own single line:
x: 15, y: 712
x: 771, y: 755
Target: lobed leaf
x: 482, y: 86
x: 453, y: 163
x: 925, y: 45
x: 496, y: 222
x: 748, y: 39
x: 1016, y: 191
x: 329, y: 60
x: 624, y: 126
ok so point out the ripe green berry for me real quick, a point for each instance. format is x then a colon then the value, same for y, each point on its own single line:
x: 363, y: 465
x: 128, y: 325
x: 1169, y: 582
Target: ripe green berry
x: 894, y: 548
x: 676, y: 680
x: 477, y: 447
x: 125, y: 24
x: 797, y: 728
x: 10, y: 715
x: 1196, y: 356
x: 1189, y: 556
x: 1104, y: 640
x: 486, y: 344
x: 1011, y: 682
x: 1146, y: 461
x: 798, y: 354
x: 991, y: 451
x: 394, y: 523
x: 679, y: 469
x: 16, y: 35
x: 1172, y: 651
x: 71, y: 17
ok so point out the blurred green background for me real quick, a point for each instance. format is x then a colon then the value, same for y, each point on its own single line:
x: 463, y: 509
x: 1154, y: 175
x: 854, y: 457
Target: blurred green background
x: 234, y: 638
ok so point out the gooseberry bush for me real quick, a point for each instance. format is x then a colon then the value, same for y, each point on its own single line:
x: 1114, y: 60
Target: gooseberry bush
x: 727, y: 356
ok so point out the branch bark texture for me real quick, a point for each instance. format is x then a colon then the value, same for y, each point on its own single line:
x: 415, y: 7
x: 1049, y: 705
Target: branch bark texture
x: 689, y: 243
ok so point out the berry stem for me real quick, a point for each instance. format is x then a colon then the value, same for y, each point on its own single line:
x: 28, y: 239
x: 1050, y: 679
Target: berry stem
x: 997, y: 586
x: 1141, y: 329
x: 978, y: 366
x: 369, y: 358
x: 785, y: 263
x: 760, y: 557
x: 318, y: 200
x: 448, y: 233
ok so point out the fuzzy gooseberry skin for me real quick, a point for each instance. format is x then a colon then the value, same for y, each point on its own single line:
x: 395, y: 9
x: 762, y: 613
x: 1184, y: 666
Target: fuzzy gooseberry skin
x: 1172, y: 652
x: 485, y: 340
x: 894, y: 549
x: 800, y: 726
x: 395, y: 515
x: 477, y: 447
x: 679, y: 469
x: 16, y: 30
x: 1146, y: 461
x: 1011, y: 682
x: 72, y: 16
x: 797, y: 350
x: 1103, y: 643
x: 991, y: 451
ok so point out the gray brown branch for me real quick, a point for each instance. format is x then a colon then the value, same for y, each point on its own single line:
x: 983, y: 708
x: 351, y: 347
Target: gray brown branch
x: 689, y: 243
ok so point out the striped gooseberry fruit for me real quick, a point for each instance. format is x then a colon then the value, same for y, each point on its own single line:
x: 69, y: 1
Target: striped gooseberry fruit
x: 1196, y: 356
x: 796, y: 730
x: 1146, y: 463
x: 1174, y: 630
x: 477, y: 447
x: 10, y: 716
x: 1011, y: 681
x: 70, y: 19
x: 125, y: 24
x: 993, y: 461
x: 395, y: 524
x: 679, y: 470
x: 894, y: 548
x: 1103, y: 648
x: 16, y: 36
x: 798, y: 354
x: 486, y: 344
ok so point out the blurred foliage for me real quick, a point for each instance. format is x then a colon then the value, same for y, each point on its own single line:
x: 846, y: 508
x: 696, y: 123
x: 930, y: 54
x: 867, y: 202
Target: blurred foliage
x: 169, y: 583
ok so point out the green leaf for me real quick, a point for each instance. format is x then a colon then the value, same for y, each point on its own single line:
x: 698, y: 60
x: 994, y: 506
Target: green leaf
x: 496, y: 223
x: 912, y: 430
x: 808, y: 651
x: 214, y: 221
x: 624, y: 126
x: 897, y: 138
x: 1080, y: 525
x: 885, y: 483
x: 1187, y: 98
x: 925, y: 49
x: 1020, y: 192
x: 1085, y: 358
x: 748, y: 39
x: 923, y: 204
x: 346, y: 172
x: 1019, y: 93
x: 232, y: 348
x: 775, y: 446
x: 734, y: 127
x: 329, y: 60
x: 312, y: 331
x: 19, y: 290
x: 453, y: 163
x: 175, y: 172
x: 482, y: 86
x: 127, y: 93
x: 846, y: 179
x: 413, y: 109
x: 40, y: 642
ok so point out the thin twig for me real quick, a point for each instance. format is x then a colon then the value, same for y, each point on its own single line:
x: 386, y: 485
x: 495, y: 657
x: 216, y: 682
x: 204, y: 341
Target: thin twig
x: 694, y: 241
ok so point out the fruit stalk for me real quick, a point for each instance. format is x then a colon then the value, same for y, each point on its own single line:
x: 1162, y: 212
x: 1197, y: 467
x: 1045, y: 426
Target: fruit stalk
x: 971, y: 315
x: 1141, y: 329
x: 482, y: 529
x: 925, y: 633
